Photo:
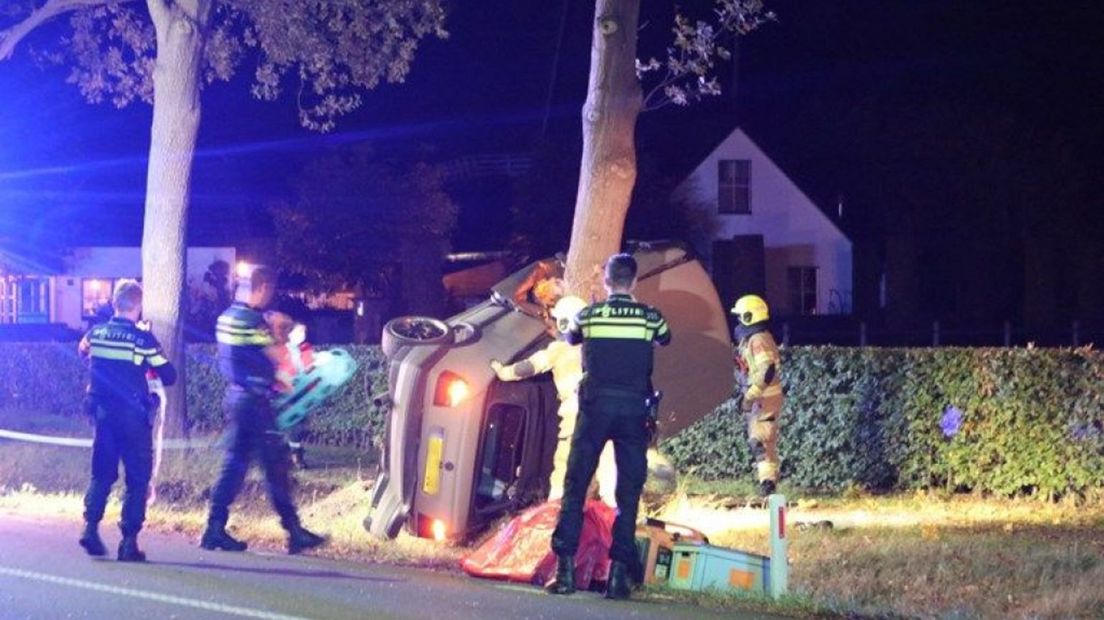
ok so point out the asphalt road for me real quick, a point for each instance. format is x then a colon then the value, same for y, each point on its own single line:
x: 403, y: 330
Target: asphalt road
x: 44, y: 574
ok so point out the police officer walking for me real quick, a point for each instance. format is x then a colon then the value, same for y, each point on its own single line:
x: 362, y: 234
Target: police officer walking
x: 243, y: 337
x: 618, y: 337
x: 760, y: 373
x: 120, y: 354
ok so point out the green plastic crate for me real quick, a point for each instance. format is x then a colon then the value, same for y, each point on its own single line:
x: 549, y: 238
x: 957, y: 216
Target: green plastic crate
x: 698, y: 567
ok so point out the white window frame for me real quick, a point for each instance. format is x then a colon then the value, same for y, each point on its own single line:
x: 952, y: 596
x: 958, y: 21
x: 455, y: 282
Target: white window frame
x: 733, y: 181
x: 802, y: 294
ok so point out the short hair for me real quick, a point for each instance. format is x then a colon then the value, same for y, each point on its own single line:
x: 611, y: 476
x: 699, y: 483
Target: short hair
x: 262, y: 275
x: 621, y: 270
x: 127, y: 296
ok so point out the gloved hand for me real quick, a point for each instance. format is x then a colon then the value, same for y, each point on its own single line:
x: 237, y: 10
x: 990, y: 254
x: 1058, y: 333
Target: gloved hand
x: 499, y: 370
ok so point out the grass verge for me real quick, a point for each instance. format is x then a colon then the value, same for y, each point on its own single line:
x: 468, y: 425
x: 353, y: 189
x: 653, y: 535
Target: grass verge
x: 919, y: 555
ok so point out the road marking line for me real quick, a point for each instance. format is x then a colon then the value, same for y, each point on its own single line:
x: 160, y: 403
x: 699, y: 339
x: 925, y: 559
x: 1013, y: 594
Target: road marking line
x: 80, y: 442
x: 149, y: 596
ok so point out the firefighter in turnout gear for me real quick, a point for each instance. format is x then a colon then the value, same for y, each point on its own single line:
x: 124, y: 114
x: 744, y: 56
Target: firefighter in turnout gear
x: 246, y: 363
x: 618, y: 338
x: 120, y: 354
x: 760, y: 377
x: 565, y: 361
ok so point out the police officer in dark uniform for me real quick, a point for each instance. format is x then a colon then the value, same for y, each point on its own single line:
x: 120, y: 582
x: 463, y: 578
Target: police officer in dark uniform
x: 120, y: 354
x: 243, y: 337
x: 618, y: 338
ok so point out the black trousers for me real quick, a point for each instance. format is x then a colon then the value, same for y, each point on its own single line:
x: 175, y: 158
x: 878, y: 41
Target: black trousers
x: 601, y: 419
x: 123, y: 433
x: 251, y: 432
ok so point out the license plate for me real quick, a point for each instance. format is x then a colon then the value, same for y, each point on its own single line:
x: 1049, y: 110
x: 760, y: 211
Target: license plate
x: 432, y: 481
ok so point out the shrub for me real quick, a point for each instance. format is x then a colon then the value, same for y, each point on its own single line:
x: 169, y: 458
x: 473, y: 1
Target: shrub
x: 50, y: 377
x: 1031, y: 421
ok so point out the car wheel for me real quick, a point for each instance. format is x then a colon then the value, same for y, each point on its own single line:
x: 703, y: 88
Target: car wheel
x: 407, y: 331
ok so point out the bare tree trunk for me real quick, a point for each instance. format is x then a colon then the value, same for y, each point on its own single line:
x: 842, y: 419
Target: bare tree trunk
x: 608, y: 170
x: 176, y: 112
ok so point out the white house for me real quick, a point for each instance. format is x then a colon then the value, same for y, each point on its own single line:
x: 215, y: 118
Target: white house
x: 771, y: 238
x: 84, y: 284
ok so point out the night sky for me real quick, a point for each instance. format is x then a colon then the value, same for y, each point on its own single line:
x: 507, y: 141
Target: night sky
x: 824, y: 67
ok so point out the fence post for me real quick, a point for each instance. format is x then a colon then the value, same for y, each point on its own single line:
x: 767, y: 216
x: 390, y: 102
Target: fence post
x: 935, y: 333
x: 862, y: 333
x: 1008, y: 333
x: 779, y: 547
x: 786, y: 333
x: 1077, y: 333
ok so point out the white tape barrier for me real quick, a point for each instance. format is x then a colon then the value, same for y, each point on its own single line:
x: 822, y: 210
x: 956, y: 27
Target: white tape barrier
x: 80, y: 442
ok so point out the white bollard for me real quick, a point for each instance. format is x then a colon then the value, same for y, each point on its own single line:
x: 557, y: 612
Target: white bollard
x: 779, y: 564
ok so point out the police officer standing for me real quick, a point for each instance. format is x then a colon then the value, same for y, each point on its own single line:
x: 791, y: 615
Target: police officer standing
x: 244, y: 362
x: 618, y: 337
x: 120, y: 354
x: 760, y: 375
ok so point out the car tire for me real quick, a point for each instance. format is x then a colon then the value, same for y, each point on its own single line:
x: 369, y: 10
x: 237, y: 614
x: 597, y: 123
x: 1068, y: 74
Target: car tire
x: 405, y: 331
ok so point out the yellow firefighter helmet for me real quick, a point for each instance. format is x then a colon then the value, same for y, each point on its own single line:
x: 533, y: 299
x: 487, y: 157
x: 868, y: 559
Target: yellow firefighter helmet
x: 751, y: 309
x: 565, y: 311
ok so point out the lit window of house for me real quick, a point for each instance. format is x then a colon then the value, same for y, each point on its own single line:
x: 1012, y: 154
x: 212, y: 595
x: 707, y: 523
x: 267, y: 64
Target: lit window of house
x: 95, y: 295
x: 734, y: 186
x: 802, y: 287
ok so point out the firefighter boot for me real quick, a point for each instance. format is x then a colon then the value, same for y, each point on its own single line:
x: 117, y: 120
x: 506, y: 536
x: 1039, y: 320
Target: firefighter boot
x: 129, y: 551
x: 301, y: 539
x: 90, y: 540
x: 216, y: 537
x: 564, y: 582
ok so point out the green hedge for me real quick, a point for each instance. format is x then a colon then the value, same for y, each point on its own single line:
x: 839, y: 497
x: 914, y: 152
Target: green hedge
x: 50, y: 377
x: 1031, y: 419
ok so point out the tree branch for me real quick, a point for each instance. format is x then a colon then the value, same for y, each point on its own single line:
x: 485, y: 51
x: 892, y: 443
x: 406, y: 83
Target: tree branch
x: 13, y: 36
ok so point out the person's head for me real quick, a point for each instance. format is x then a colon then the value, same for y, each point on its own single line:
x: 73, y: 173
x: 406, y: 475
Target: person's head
x: 549, y: 291
x: 751, y: 310
x: 127, y: 299
x: 259, y: 287
x: 565, y: 311
x: 620, y: 273
x: 280, y: 324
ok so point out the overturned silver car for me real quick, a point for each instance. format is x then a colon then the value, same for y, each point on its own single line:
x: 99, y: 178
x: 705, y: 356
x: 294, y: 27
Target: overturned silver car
x: 463, y: 448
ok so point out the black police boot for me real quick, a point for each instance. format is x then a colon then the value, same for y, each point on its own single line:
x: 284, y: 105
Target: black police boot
x: 301, y: 539
x: 619, y: 585
x: 216, y: 537
x: 766, y: 488
x: 91, y: 541
x: 564, y: 581
x: 129, y: 551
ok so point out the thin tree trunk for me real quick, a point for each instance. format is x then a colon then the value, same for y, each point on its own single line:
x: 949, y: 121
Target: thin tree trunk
x: 176, y: 112
x: 608, y: 170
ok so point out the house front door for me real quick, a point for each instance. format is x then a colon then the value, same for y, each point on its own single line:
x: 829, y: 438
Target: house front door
x: 32, y: 300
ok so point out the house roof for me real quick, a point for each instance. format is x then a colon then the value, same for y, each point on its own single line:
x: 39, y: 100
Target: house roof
x: 704, y: 127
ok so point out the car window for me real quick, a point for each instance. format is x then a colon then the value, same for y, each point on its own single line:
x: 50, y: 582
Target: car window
x: 502, y: 452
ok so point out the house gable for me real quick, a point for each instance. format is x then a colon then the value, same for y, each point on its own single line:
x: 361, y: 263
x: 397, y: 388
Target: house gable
x: 796, y: 235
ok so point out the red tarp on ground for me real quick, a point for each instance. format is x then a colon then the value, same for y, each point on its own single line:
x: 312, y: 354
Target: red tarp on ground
x: 521, y: 551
